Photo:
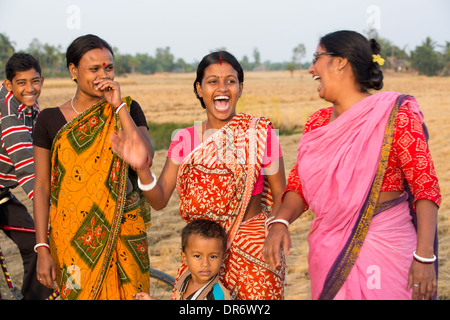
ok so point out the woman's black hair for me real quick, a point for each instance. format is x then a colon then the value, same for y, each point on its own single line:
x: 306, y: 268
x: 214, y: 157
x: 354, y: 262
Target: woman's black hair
x: 358, y: 50
x: 214, y: 58
x: 83, y: 44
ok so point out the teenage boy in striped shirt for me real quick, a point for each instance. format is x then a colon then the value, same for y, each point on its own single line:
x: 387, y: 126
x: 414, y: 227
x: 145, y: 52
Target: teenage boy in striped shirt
x: 18, y: 112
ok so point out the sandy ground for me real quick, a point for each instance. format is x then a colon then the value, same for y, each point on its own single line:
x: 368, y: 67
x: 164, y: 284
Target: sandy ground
x: 290, y: 102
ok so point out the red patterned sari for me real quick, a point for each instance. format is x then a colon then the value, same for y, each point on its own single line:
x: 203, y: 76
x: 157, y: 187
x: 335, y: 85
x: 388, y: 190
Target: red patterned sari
x: 215, y: 181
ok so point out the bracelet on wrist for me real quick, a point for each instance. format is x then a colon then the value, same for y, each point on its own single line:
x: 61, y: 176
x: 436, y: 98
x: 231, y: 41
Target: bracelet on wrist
x: 41, y: 245
x: 268, y: 220
x: 116, y: 110
x: 423, y: 260
x: 283, y: 221
x: 147, y: 187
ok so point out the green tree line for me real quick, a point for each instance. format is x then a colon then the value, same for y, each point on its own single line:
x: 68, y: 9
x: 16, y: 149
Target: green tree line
x: 428, y: 59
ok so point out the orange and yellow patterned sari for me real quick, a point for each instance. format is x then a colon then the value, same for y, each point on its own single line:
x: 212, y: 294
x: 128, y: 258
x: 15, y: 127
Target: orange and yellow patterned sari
x: 98, y: 235
x: 216, y: 181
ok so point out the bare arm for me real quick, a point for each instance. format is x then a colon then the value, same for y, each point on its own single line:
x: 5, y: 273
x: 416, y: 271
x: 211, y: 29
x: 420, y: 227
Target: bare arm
x: 278, y: 238
x: 160, y: 195
x: 422, y: 274
x: 41, y: 207
x: 277, y: 180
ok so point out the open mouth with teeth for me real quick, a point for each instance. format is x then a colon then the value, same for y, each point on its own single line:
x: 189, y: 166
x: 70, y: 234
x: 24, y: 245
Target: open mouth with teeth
x: 29, y: 99
x: 221, y: 103
x: 319, y: 80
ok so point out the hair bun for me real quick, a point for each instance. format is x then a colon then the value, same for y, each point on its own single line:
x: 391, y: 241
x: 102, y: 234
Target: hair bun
x: 376, y: 75
x: 375, y: 46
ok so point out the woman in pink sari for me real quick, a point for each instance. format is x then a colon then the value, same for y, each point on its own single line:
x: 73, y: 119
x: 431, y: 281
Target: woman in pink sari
x: 357, y: 162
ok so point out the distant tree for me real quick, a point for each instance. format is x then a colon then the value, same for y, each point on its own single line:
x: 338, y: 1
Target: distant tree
x: 120, y: 62
x: 164, y: 60
x: 256, y: 58
x: 181, y: 66
x: 51, y: 58
x: 290, y: 66
x: 133, y: 62
x: 425, y: 59
x: 298, y: 54
x: 6, y: 51
x: 147, y: 64
x: 446, y: 59
x: 246, y: 64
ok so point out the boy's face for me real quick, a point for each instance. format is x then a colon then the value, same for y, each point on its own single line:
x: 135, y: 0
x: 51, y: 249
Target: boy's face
x: 26, y: 86
x: 204, y: 257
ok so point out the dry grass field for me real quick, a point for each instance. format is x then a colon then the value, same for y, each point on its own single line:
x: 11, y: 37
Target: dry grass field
x: 287, y: 101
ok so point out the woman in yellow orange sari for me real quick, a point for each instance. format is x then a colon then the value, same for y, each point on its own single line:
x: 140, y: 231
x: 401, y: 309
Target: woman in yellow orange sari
x: 97, y: 215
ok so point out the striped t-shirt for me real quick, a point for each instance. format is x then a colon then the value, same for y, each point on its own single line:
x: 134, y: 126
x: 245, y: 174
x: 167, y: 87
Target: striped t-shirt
x: 16, y: 152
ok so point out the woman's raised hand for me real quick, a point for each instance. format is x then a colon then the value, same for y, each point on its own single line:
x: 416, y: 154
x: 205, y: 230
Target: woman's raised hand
x: 111, y: 90
x: 132, y: 148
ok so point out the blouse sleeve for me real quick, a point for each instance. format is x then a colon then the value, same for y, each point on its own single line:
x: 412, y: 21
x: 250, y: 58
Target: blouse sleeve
x: 48, y: 123
x: 411, y: 152
x: 137, y: 115
x: 294, y: 184
x: 183, y: 142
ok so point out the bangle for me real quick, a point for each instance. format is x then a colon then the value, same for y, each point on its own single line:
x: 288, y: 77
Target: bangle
x: 424, y: 260
x: 41, y: 245
x: 116, y: 110
x: 268, y: 220
x: 147, y: 187
x: 285, y: 222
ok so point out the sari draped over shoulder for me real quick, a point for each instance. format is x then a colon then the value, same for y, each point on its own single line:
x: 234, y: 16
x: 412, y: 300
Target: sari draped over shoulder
x: 98, y: 233
x: 357, y: 250
x: 215, y: 181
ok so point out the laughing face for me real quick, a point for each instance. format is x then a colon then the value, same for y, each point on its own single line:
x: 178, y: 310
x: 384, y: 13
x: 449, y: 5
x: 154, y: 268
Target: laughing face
x: 220, y: 90
x: 322, y: 71
x: 94, y: 65
x: 26, y: 86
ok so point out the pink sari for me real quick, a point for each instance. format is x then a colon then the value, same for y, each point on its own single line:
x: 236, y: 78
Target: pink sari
x: 341, y: 167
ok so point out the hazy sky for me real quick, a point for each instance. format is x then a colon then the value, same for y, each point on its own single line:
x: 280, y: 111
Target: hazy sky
x: 193, y: 28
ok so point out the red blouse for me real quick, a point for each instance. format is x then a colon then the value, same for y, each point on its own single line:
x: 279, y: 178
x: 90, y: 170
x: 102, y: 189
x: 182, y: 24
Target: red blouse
x: 409, y: 160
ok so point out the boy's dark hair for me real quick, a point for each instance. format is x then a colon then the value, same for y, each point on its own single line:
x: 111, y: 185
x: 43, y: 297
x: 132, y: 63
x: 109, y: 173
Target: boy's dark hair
x: 21, y: 62
x: 207, y: 229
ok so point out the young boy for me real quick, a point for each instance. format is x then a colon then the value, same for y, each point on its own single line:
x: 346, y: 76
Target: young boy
x: 18, y: 112
x: 203, y: 244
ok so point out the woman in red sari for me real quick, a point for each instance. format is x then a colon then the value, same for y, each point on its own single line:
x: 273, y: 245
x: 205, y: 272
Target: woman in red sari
x: 356, y: 162
x: 229, y: 169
